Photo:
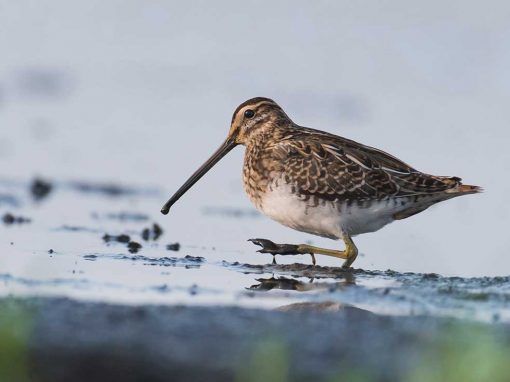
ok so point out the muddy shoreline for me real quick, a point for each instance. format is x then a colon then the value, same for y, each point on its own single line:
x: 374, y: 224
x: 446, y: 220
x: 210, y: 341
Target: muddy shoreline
x: 134, y: 297
x: 84, y: 341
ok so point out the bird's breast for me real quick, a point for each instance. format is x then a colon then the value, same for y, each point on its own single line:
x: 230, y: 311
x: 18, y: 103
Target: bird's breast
x: 261, y: 172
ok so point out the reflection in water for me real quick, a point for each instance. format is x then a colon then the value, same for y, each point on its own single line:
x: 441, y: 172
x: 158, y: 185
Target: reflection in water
x: 298, y: 270
x: 326, y: 306
x: 285, y: 283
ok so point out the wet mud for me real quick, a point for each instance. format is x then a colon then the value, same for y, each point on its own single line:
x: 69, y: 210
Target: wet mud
x: 188, y: 261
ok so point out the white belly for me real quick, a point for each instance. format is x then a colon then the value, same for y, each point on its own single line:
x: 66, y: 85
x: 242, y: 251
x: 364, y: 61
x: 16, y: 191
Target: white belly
x: 327, y: 219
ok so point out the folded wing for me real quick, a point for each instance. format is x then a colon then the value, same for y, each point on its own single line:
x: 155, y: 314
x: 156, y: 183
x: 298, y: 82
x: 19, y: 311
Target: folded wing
x: 337, y: 169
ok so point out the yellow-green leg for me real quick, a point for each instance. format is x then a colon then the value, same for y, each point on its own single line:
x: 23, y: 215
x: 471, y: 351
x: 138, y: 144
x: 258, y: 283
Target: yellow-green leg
x: 349, y: 254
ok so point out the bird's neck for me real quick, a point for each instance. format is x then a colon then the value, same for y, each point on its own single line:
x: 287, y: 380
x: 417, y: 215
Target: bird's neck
x: 264, y: 138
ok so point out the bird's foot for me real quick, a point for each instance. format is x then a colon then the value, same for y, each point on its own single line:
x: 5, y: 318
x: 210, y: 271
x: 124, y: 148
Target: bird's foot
x: 276, y: 249
x: 281, y: 249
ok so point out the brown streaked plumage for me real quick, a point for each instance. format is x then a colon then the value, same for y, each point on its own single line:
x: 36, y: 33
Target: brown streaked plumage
x: 320, y: 183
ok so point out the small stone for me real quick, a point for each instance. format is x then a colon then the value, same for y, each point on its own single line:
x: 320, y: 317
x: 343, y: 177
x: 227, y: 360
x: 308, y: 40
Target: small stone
x: 40, y: 188
x: 134, y: 247
x: 173, y: 247
x: 123, y: 238
x: 9, y: 219
x: 158, y: 231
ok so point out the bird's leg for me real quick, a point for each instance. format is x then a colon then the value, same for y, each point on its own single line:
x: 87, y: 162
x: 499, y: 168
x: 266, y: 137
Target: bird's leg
x: 349, y: 254
x: 350, y: 251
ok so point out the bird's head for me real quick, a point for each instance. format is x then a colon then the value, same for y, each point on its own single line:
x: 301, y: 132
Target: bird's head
x: 252, y: 119
x: 255, y: 117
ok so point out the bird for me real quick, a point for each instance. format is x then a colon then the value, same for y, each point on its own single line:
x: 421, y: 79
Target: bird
x: 320, y: 183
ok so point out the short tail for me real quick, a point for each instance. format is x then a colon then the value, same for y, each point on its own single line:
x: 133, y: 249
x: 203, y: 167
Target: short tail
x: 463, y: 189
x: 456, y: 188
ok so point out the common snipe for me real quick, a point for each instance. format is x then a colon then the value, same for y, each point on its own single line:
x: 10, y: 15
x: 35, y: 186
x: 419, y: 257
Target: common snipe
x: 320, y: 183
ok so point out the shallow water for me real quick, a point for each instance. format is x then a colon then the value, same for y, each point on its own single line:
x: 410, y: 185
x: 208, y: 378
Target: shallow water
x: 88, y: 254
x: 117, y: 105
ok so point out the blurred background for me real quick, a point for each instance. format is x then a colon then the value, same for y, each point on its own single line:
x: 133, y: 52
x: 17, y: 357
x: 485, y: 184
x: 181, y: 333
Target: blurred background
x: 139, y: 93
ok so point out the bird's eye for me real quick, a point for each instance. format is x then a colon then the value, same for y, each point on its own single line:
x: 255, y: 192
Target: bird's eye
x: 249, y: 113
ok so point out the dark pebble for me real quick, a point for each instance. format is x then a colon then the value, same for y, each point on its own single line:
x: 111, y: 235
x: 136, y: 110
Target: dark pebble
x: 158, y: 231
x: 119, y: 238
x: 123, y: 238
x: 173, y: 247
x: 153, y: 232
x: 9, y: 219
x: 134, y: 247
x: 40, y: 188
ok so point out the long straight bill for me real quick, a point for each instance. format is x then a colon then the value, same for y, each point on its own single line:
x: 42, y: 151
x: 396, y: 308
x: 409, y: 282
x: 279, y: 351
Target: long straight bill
x: 223, y: 150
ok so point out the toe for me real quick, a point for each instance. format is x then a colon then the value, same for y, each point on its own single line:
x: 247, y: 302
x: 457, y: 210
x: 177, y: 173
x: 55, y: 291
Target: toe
x: 276, y: 249
x: 267, y: 245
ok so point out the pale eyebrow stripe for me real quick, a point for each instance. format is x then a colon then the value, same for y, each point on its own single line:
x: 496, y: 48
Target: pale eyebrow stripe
x: 254, y: 107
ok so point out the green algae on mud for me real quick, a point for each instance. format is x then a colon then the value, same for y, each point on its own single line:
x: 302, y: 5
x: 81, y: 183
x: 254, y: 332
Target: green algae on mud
x: 15, y: 331
x: 300, y: 343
